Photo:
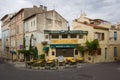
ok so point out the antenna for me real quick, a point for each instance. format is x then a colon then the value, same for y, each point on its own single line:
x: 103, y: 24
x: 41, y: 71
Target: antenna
x: 53, y: 6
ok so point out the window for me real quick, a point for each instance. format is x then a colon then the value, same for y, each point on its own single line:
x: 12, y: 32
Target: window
x: 26, y: 28
x: 54, y: 36
x: 27, y: 41
x: 53, y: 53
x: 115, y: 36
x: 46, y: 36
x: 80, y: 36
x: 99, y: 51
x: 34, y: 23
x: 64, y: 36
x: 73, y: 36
x: 99, y: 36
x: 76, y: 52
x: 115, y: 51
x: 105, y: 53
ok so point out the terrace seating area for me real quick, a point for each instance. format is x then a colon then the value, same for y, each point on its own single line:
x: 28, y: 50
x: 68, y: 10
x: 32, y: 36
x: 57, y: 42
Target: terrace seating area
x: 52, y: 64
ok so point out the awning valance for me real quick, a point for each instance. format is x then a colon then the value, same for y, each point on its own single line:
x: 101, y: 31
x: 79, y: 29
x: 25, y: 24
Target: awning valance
x: 46, y: 48
x: 63, y: 45
x: 13, y: 52
x: 65, y: 32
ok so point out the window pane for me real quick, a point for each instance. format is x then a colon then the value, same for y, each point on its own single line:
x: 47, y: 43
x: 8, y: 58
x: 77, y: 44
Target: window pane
x: 73, y: 36
x: 76, y: 52
x: 115, y: 35
x: 55, y: 36
x: 115, y: 51
x: 64, y: 36
x: 80, y: 36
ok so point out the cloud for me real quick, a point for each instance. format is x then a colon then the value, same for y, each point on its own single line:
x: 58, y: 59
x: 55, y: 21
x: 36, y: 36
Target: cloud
x: 69, y: 9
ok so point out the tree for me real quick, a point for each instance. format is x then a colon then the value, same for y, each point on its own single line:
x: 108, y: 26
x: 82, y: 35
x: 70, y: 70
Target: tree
x: 30, y: 47
x: 92, y: 47
x: 24, y: 42
x: 81, y: 49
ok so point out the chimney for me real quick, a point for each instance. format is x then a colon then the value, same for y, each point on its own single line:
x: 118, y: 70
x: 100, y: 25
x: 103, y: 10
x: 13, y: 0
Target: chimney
x: 41, y: 7
x: 45, y: 8
x: 34, y: 6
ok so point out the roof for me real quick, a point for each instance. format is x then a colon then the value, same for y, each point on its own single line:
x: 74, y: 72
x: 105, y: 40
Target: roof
x: 94, y: 26
x: 19, y: 12
x: 41, y: 13
x: 100, y: 20
x: 4, y: 17
x: 30, y: 16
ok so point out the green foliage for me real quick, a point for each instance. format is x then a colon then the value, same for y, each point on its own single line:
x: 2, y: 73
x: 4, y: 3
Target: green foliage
x: 93, y: 45
x: 81, y: 48
x: 42, y: 64
x: 24, y: 42
x: 53, y: 64
x: 42, y: 56
x: 30, y: 47
x: 35, y: 64
x: 24, y: 51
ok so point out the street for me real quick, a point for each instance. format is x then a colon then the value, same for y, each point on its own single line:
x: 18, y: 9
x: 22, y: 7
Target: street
x: 102, y: 71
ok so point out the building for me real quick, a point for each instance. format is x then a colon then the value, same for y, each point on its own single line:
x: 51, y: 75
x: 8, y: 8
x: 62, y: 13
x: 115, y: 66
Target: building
x: 103, y: 31
x: 63, y: 43
x: 16, y: 28
x: 6, y: 35
x: 114, y: 41
x: 0, y: 48
x: 37, y: 23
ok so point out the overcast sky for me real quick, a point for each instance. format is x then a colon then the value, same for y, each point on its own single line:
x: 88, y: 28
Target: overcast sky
x: 69, y: 9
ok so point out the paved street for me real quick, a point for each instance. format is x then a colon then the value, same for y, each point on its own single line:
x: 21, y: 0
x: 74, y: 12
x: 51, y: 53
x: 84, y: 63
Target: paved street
x: 103, y: 71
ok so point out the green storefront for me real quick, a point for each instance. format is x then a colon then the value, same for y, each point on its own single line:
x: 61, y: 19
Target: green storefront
x: 66, y: 50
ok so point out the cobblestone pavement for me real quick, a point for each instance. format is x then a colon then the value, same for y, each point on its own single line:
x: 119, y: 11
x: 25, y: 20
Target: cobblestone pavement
x: 103, y: 71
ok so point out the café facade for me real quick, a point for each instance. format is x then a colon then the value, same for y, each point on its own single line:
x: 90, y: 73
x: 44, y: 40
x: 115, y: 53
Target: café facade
x: 63, y: 43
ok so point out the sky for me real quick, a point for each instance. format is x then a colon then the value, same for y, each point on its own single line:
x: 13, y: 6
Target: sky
x: 69, y: 9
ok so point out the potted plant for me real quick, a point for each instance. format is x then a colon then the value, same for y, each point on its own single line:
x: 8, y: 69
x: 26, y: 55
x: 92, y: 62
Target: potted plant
x: 35, y: 66
x: 53, y: 65
x: 42, y: 66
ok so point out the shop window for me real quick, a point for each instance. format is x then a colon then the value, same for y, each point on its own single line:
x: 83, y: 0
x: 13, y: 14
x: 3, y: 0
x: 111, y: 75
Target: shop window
x: 64, y: 36
x: 76, y: 52
x: 53, y: 53
x: 54, y: 36
x: 73, y: 36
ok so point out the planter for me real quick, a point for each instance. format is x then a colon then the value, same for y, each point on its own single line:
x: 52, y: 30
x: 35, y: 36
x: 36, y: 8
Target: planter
x: 35, y: 68
x: 53, y: 68
x: 61, y: 67
x: 41, y: 68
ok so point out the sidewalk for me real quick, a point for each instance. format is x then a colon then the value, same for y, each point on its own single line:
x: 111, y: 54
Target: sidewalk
x: 18, y: 64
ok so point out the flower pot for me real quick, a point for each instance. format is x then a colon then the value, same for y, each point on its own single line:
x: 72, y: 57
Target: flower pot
x: 41, y: 68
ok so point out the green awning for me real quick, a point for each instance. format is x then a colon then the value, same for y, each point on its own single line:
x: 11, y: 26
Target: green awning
x: 63, y: 45
x: 46, y: 48
x: 65, y: 32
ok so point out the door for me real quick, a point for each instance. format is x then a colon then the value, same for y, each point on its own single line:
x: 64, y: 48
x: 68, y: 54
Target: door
x: 66, y: 52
